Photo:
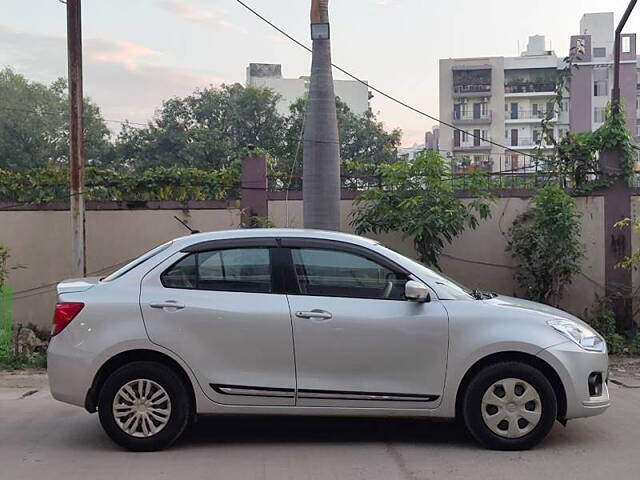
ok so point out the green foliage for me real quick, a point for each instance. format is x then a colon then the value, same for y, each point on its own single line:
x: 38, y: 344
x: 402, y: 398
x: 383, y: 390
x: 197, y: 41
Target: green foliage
x: 34, y: 125
x: 601, y: 316
x: 545, y: 241
x: 420, y: 202
x: 615, y: 343
x: 575, y: 159
x: 635, y: 345
x: 364, y: 145
x: 205, y: 130
x: 159, y: 183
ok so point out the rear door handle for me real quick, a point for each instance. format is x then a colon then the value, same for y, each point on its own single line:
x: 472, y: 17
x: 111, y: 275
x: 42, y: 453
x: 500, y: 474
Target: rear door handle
x: 168, y: 304
x: 319, y: 314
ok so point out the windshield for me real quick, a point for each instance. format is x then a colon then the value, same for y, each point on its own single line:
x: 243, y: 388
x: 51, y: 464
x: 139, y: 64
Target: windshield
x: 138, y: 261
x: 445, y: 287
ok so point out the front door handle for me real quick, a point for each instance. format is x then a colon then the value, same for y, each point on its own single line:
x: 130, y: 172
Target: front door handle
x: 319, y: 314
x: 168, y: 305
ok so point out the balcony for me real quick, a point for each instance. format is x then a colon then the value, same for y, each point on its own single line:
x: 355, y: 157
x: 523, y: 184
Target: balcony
x: 527, y: 116
x: 472, y: 90
x: 471, y: 144
x: 467, y: 118
x: 526, y: 142
x: 529, y: 88
x: 469, y: 163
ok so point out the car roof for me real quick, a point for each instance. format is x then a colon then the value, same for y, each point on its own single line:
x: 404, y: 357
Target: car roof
x: 273, y: 233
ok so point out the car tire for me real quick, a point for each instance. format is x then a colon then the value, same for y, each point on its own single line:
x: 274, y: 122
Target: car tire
x: 144, y: 406
x: 509, y: 406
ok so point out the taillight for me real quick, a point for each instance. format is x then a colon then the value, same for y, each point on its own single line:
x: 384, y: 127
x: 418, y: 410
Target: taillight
x: 64, y: 313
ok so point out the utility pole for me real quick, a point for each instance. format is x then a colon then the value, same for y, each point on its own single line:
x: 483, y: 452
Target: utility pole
x: 617, y: 206
x: 76, y: 139
x: 615, y: 93
x: 321, y: 155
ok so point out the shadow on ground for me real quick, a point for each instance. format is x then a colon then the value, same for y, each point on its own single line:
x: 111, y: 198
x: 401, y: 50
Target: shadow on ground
x: 274, y: 429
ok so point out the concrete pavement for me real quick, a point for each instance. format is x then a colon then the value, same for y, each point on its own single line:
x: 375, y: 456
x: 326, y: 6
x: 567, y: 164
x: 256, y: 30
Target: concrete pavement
x: 44, y: 439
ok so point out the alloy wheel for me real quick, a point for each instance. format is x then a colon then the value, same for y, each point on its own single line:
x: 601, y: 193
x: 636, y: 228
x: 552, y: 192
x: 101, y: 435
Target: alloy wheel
x: 141, y: 408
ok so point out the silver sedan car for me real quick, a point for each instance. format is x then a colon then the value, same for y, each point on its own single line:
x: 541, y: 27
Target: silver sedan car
x: 302, y: 322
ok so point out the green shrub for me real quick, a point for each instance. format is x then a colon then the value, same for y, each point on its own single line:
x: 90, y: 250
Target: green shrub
x: 615, y: 343
x: 635, y: 345
x: 601, y: 316
x: 545, y: 241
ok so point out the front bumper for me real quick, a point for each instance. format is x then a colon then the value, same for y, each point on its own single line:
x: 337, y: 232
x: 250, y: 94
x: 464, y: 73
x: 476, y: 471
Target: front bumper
x: 574, y: 366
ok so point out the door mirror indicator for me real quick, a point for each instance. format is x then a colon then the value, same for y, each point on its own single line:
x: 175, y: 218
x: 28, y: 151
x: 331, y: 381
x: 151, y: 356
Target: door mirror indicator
x: 416, y: 291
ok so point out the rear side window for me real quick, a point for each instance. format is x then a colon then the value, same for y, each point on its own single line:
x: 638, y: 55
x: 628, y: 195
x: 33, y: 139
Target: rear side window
x: 231, y: 270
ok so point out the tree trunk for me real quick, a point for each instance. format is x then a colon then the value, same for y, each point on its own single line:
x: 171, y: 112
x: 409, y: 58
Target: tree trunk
x: 321, y: 155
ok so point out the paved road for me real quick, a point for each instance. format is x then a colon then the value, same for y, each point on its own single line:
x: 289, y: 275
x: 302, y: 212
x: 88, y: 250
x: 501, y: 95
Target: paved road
x: 43, y: 439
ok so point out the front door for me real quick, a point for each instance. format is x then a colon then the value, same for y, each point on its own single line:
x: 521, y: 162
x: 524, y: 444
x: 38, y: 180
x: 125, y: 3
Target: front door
x: 222, y: 311
x: 358, y: 341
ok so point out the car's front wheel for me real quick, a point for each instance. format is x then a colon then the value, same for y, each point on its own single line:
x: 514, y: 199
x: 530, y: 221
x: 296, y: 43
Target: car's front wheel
x: 144, y: 406
x: 509, y: 406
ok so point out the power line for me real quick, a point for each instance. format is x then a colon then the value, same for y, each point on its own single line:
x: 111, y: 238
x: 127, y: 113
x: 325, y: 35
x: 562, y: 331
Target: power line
x: 381, y: 92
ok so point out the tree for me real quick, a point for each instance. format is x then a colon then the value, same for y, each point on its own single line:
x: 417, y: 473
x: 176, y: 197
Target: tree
x: 364, y: 142
x: 545, y: 241
x: 419, y: 201
x: 321, y: 155
x: 207, y: 129
x: 34, y: 125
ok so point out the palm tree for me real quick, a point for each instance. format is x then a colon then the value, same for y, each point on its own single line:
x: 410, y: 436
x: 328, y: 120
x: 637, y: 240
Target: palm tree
x: 321, y: 155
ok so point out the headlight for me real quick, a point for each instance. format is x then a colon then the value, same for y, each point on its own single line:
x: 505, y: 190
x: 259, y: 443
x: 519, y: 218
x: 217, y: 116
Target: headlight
x: 585, y: 337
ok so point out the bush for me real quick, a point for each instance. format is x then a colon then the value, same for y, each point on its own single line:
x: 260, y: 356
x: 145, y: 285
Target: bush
x: 615, y: 343
x: 545, y: 240
x: 601, y: 316
x: 635, y: 345
x: 418, y: 200
x: 159, y: 183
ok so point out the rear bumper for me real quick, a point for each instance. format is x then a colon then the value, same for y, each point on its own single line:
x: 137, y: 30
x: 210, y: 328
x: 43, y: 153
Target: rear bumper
x: 67, y: 370
x: 574, y: 366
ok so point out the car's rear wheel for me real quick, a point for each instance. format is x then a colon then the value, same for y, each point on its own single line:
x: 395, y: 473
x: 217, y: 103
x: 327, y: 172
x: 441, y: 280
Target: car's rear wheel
x: 144, y: 406
x: 509, y: 406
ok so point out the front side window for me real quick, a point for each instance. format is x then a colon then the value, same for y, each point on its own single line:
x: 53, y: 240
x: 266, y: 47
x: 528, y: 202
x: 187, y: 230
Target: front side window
x: 337, y: 273
x: 232, y: 270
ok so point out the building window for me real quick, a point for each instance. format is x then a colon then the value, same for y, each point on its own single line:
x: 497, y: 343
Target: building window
x: 464, y: 136
x: 598, y: 114
x: 626, y: 44
x: 600, y: 88
x: 456, y: 138
x: 599, y: 52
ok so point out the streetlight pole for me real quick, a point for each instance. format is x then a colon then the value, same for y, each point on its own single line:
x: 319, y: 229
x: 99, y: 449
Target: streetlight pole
x: 321, y: 155
x: 76, y: 139
x: 615, y: 93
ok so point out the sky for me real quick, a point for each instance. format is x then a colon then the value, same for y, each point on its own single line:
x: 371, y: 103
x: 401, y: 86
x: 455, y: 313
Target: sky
x: 139, y: 52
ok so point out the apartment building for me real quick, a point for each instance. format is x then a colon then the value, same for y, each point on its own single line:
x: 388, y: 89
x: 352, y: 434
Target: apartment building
x: 504, y: 99
x: 269, y: 75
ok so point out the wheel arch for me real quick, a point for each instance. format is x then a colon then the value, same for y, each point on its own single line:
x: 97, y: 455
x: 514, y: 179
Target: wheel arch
x: 128, y: 356
x: 532, y: 360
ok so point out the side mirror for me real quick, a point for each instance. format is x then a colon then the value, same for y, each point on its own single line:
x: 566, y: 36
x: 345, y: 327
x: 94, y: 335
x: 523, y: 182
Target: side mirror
x: 416, y: 291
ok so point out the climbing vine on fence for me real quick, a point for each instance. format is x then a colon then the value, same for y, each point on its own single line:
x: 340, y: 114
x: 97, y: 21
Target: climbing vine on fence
x: 159, y: 183
x: 575, y: 156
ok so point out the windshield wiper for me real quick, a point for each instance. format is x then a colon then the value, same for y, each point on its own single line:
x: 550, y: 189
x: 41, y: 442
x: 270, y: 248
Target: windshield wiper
x: 480, y: 295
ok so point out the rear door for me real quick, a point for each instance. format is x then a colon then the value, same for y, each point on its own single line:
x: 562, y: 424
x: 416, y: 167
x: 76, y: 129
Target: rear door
x: 221, y: 308
x: 358, y: 341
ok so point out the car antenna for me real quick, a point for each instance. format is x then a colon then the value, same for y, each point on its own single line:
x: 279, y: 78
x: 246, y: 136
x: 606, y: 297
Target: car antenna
x: 192, y: 230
